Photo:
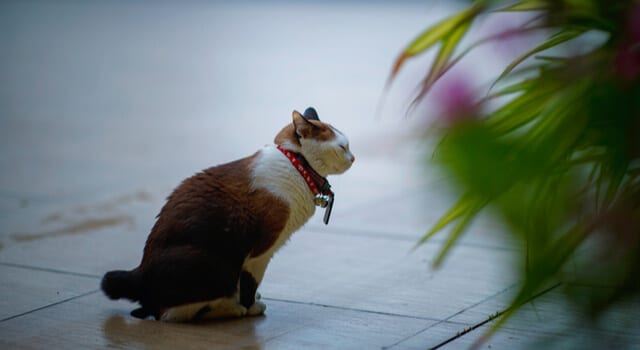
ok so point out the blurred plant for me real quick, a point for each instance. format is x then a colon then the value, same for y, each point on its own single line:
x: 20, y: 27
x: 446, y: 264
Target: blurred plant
x: 559, y: 158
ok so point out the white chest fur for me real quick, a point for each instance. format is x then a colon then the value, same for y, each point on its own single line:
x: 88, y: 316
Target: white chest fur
x: 273, y: 172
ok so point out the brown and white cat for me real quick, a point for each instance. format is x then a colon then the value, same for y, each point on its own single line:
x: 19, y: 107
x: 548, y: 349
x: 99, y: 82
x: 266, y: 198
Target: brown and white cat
x: 210, y: 246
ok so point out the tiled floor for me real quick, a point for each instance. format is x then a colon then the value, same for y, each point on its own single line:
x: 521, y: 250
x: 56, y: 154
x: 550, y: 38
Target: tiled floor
x: 106, y: 106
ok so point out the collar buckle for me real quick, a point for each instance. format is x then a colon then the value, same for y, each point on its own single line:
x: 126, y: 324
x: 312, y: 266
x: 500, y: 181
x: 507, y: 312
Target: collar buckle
x: 319, y: 186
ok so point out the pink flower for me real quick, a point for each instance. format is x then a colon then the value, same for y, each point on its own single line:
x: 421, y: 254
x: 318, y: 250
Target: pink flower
x: 627, y: 60
x: 456, y: 99
x: 633, y: 24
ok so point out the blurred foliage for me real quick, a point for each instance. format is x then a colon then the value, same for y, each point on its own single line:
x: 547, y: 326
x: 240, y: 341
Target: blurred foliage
x: 558, y: 158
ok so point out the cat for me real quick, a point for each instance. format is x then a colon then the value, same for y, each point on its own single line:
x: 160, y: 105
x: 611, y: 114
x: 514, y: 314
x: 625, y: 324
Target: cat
x: 209, y: 248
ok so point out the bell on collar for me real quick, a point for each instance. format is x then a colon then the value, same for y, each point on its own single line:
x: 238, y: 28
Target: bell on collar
x: 321, y: 200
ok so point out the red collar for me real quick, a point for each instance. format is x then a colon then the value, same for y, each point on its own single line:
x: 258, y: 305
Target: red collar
x: 318, y: 185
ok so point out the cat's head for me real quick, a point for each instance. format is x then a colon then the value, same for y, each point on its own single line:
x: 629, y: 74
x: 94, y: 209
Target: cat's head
x: 323, y: 146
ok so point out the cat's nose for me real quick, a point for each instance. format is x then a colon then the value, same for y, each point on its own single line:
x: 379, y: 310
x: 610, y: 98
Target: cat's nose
x: 353, y: 158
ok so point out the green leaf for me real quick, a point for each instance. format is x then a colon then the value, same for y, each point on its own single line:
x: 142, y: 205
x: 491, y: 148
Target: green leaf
x: 552, y: 59
x: 562, y: 122
x: 555, y: 40
x: 452, y: 62
x: 616, y: 176
x: 526, y: 5
x: 435, y: 34
x: 464, y: 205
x: 598, y: 190
x: 541, y: 275
x: 448, y: 46
x: 521, y: 110
x: 442, y: 62
x: 441, y: 30
x: 457, y: 232
x: 512, y: 89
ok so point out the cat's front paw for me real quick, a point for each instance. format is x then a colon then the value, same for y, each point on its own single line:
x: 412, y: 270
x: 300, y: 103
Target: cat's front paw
x: 257, y: 309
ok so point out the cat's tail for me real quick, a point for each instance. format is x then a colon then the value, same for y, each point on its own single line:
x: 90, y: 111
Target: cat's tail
x: 121, y: 284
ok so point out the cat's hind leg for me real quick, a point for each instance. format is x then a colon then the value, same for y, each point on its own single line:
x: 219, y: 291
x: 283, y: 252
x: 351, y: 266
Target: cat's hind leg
x: 258, y: 308
x: 222, y: 308
x: 249, y: 297
x: 206, y: 310
x: 183, y: 313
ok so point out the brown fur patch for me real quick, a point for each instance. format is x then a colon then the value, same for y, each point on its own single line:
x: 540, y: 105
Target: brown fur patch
x: 319, y: 131
x: 274, y: 213
x: 322, y: 132
x: 288, y: 133
x: 310, y: 129
x: 210, y: 224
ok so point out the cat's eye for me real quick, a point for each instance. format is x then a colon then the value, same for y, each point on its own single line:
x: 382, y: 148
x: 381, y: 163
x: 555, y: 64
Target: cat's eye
x: 344, y: 148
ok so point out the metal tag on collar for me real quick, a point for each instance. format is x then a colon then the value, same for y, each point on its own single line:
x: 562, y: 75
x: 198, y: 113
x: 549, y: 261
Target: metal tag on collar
x: 322, y: 200
x: 329, y: 206
x: 325, y: 201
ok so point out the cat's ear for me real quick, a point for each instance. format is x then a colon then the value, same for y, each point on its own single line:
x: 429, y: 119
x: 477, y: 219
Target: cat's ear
x: 311, y: 114
x: 304, y: 128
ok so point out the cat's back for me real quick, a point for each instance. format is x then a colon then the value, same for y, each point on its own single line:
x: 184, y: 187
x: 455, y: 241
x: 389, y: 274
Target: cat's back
x: 246, y: 202
x: 218, y: 187
x: 247, y: 184
x: 207, y: 205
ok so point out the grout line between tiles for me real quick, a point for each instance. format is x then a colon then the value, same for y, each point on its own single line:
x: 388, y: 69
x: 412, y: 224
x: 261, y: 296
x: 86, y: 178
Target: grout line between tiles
x: 491, y: 318
x: 46, y: 269
x: 482, y: 301
x: 353, y: 309
x: 50, y: 305
x: 293, y: 329
x: 342, y: 231
x: 450, y: 317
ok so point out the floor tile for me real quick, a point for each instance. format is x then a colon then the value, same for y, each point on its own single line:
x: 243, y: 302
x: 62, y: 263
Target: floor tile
x: 533, y: 338
x: 100, y: 122
x: 432, y: 336
x: 23, y: 290
x: 95, y: 322
x: 319, y: 266
x: 553, y: 321
x: 95, y: 235
x: 384, y: 275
